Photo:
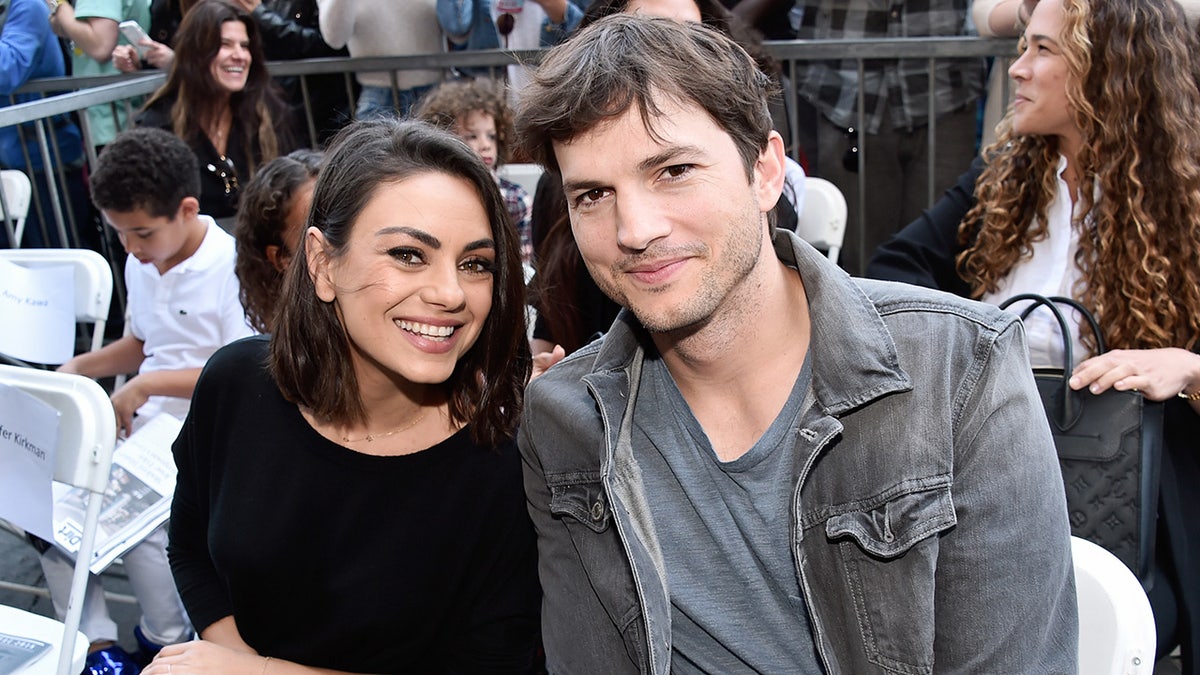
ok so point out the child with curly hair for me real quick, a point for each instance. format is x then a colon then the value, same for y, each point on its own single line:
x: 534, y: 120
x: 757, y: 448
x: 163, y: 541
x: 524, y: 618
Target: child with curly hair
x: 477, y: 111
x: 268, y: 228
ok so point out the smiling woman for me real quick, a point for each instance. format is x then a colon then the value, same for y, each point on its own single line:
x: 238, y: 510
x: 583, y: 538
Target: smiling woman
x: 349, y: 494
x: 420, y: 258
x: 220, y: 99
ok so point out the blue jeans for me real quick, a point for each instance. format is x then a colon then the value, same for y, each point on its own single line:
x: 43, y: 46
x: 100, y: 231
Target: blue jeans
x: 377, y: 101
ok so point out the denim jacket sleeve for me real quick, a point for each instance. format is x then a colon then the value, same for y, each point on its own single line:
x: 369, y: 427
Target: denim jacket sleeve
x: 21, y: 43
x: 455, y: 18
x: 1005, y: 590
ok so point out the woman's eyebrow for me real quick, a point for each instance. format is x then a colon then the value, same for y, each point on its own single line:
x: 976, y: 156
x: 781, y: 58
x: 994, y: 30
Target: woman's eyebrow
x: 480, y: 244
x: 420, y: 235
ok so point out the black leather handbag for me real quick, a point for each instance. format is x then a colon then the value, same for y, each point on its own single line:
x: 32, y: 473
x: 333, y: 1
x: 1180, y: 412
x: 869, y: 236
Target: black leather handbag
x: 1109, y: 448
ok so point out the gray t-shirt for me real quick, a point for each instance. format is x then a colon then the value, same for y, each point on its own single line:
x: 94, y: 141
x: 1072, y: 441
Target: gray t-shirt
x: 725, y: 533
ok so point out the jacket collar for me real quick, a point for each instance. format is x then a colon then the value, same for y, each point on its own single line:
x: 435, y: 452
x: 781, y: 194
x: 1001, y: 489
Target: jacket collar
x: 854, y: 357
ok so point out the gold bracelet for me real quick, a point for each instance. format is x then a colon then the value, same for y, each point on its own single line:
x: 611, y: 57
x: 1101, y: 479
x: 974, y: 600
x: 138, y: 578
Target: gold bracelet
x: 265, y: 664
x: 1189, y: 397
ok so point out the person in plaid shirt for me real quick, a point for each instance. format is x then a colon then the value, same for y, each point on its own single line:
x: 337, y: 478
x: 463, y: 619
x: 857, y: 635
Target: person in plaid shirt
x: 896, y: 94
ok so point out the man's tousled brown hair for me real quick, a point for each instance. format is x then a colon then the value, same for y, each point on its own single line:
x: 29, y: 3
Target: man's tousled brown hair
x: 627, y: 61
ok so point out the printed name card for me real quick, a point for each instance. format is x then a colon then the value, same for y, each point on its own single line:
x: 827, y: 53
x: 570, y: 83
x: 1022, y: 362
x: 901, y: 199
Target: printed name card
x: 28, y: 437
x: 37, y: 312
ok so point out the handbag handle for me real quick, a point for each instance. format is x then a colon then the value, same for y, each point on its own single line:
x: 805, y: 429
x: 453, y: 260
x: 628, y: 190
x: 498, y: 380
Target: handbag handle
x: 1078, y: 307
x: 1069, y: 410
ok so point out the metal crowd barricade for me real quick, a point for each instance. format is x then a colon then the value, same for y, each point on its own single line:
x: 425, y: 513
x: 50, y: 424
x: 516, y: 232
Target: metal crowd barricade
x: 931, y: 49
x: 93, y: 91
x: 126, y: 90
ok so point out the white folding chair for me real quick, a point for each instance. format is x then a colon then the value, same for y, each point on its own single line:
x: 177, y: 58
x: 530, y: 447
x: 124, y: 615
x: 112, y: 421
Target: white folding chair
x: 44, y: 629
x: 1116, y: 624
x: 525, y: 175
x: 93, y: 281
x: 822, y: 221
x: 17, y: 194
x: 86, y: 435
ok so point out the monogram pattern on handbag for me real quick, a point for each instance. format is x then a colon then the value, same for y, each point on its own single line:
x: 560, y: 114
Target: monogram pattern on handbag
x: 1108, y: 450
x: 1102, y: 470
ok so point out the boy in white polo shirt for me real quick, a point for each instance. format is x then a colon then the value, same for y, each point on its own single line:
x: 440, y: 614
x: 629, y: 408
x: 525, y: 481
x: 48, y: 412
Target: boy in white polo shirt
x: 183, y: 306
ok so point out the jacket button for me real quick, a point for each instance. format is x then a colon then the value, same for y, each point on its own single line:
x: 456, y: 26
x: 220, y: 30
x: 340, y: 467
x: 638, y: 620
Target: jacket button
x: 597, y: 510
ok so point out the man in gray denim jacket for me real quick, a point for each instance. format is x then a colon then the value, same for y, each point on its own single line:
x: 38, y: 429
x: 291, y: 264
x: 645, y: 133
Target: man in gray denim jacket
x: 766, y: 465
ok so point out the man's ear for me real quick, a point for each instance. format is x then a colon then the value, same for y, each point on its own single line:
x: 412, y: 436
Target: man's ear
x: 769, y: 172
x: 317, y: 256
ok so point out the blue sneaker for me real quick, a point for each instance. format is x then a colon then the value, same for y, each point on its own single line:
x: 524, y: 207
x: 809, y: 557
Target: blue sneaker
x: 110, y: 661
x: 147, y: 650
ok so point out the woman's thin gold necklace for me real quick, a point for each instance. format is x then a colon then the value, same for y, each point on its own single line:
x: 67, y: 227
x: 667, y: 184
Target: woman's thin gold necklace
x: 217, y: 137
x: 374, y: 437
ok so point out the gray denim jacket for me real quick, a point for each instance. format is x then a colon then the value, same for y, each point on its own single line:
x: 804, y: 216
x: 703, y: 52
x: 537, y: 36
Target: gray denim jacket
x: 930, y: 528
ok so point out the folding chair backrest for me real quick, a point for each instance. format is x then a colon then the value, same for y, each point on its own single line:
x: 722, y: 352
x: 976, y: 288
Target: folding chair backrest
x: 93, y: 281
x: 17, y: 194
x: 822, y: 221
x: 86, y: 436
x: 1116, y: 624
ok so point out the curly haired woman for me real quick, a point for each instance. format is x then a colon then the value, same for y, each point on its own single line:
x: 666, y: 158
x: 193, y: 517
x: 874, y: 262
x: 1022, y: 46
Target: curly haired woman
x: 1092, y: 190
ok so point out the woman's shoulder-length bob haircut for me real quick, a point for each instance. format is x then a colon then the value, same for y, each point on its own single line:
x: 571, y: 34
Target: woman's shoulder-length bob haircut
x: 310, y: 351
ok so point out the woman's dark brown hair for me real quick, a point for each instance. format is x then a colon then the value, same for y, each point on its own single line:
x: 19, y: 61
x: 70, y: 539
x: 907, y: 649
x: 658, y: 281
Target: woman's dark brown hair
x: 310, y: 351
x: 554, y: 289
x: 197, y: 97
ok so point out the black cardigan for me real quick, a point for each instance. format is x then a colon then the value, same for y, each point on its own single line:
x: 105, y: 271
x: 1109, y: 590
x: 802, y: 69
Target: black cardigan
x: 215, y: 199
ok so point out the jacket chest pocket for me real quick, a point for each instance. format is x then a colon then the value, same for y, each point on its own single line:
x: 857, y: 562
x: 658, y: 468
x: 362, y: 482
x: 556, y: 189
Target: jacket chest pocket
x: 584, y: 502
x: 887, y: 550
